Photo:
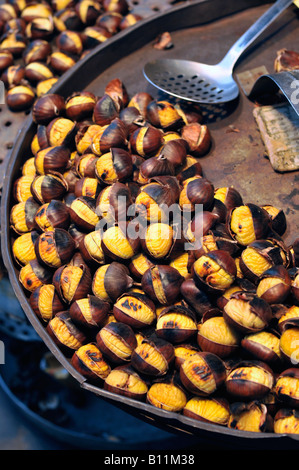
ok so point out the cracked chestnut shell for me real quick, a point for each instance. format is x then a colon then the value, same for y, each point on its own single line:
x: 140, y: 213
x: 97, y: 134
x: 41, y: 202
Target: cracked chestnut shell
x: 139, y: 264
x: 118, y: 244
x: 264, y: 346
x: 113, y: 135
x: 287, y: 386
x: 89, y: 311
x: 44, y: 188
x: 124, y: 380
x: 215, y: 271
x: 286, y: 421
x: 51, y: 215
x: 33, y: 275
x: 216, y: 336
x: 164, y: 115
x: 198, y: 137
x: 115, y: 165
x: 176, y: 324
x: 23, y: 247
x: 110, y: 281
x: 162, y: 283
x: 252, y: 417
x: 229, y: 196
x: 117, y: 341
x: 153, y: 356
x: 65, y: 334
x: 22, y: 216
x: 167, y: 393
x: 247, y: 223
x: 196, y: 190
x: 88, y: 360
x: 258, y: 257
x: 52, y: 160
x: 153, y: 202
x: 203, y: 373
x: 45, y: 302
x: 274, y: 285
x: 158, y: 240
x: 135, y: 309
x: 83, y: 213
x: 53, y: 248
x: 250, y: 380
x: 247, y: 313
x: 146, y: 141
x: 72, y: 282
x: 209, y: 410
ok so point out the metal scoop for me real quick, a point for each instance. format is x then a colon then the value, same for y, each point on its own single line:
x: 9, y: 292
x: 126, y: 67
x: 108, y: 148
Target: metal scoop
x: 202, y: 83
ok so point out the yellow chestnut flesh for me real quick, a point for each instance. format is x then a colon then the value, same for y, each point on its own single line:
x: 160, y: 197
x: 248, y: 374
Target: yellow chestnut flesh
x: 207, y: 409
x: 167, y: 396
x: 242, y: 225
x: 206, y: 268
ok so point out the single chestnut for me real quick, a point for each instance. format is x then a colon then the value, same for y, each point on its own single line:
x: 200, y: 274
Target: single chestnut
x: 88, y: 360
x: 45, y: 302
x: 162, y: 283
x: 209, y: 410
x: 249, y: 380
x: 135, y: 309
x: 153, y: 356
x: 124, y: 380
x: 117, y: 341
x: 65, y: 334
x: 110, y: 281
x: 203, y: 373
x: 176, y: 324
x: 215, y: 271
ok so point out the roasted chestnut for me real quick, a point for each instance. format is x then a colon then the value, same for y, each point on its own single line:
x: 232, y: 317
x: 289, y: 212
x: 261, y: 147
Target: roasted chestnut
x: 110, y: 281
x: 146, y: 141
x: 286, y: 421
x: 115, y: 165
x: 124, y: 380
x: 249, y: 380
x: 90, y: 311
x: 117, y: 341
x: 48, y: 107
x: 209, y: 410
x: 216, y: 336
x: 247, y: 313
x: 44, y: 188
x: 198, y: 138
x: 65, y: 334
x: 248, y: 223
x: 264, y: 346
x: 197, y: 190
x: 20, y: 98
x: 167, y: 394
x: 22, y: 216
x: 45, y: 302
x: 23, y: 247
x: 153, y: 356
x: 274, y: 285
x: 203, y: 373
x: 118, y: 243
x: 286, y: 387
x: 55, y: 247
x: 164, y: 115
x: 258, y: 257
x: 88, y: 360
x: 176, y: 324
x: 83, y: 212
x: 113, y: 135
x: 215, y: 271
x: 33, y: 274
x: 135, y: 309
x: 72, y: 282
x: 162, y: 284
x: 80, y: 105
x: 252, y: 417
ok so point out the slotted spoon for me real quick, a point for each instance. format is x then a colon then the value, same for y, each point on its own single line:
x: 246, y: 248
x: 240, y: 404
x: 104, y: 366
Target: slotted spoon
x: 202, y: 83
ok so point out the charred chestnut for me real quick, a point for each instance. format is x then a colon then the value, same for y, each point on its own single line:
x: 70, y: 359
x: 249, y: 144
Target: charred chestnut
x: 65, y: 334
x: 162, y: 284
x: 153, y: 356
x: 215, y: 271
x: 135, y: 309
x: 176, y: 324
x: 88, y: 360
x: 247, y: 312
x: 249, y: 380
x: 72, y: 282
x: 203, y: 373
x: 248, y: 223
x: 264, y: 346
x: 117, y: 341
x: 274, y: 285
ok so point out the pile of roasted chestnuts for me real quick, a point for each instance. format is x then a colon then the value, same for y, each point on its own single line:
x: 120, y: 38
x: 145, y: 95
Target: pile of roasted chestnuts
x: 41, y: 40
x: 193, y: 311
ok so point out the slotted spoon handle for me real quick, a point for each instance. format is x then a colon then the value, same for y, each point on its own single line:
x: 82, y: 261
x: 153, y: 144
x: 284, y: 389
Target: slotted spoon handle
x: 253, y: 33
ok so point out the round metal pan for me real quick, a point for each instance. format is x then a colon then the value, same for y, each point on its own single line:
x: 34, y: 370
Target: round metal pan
x: 201, y: 30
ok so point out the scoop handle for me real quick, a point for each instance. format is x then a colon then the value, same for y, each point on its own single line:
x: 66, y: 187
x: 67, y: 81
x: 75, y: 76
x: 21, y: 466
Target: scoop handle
x: 253, y: 33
